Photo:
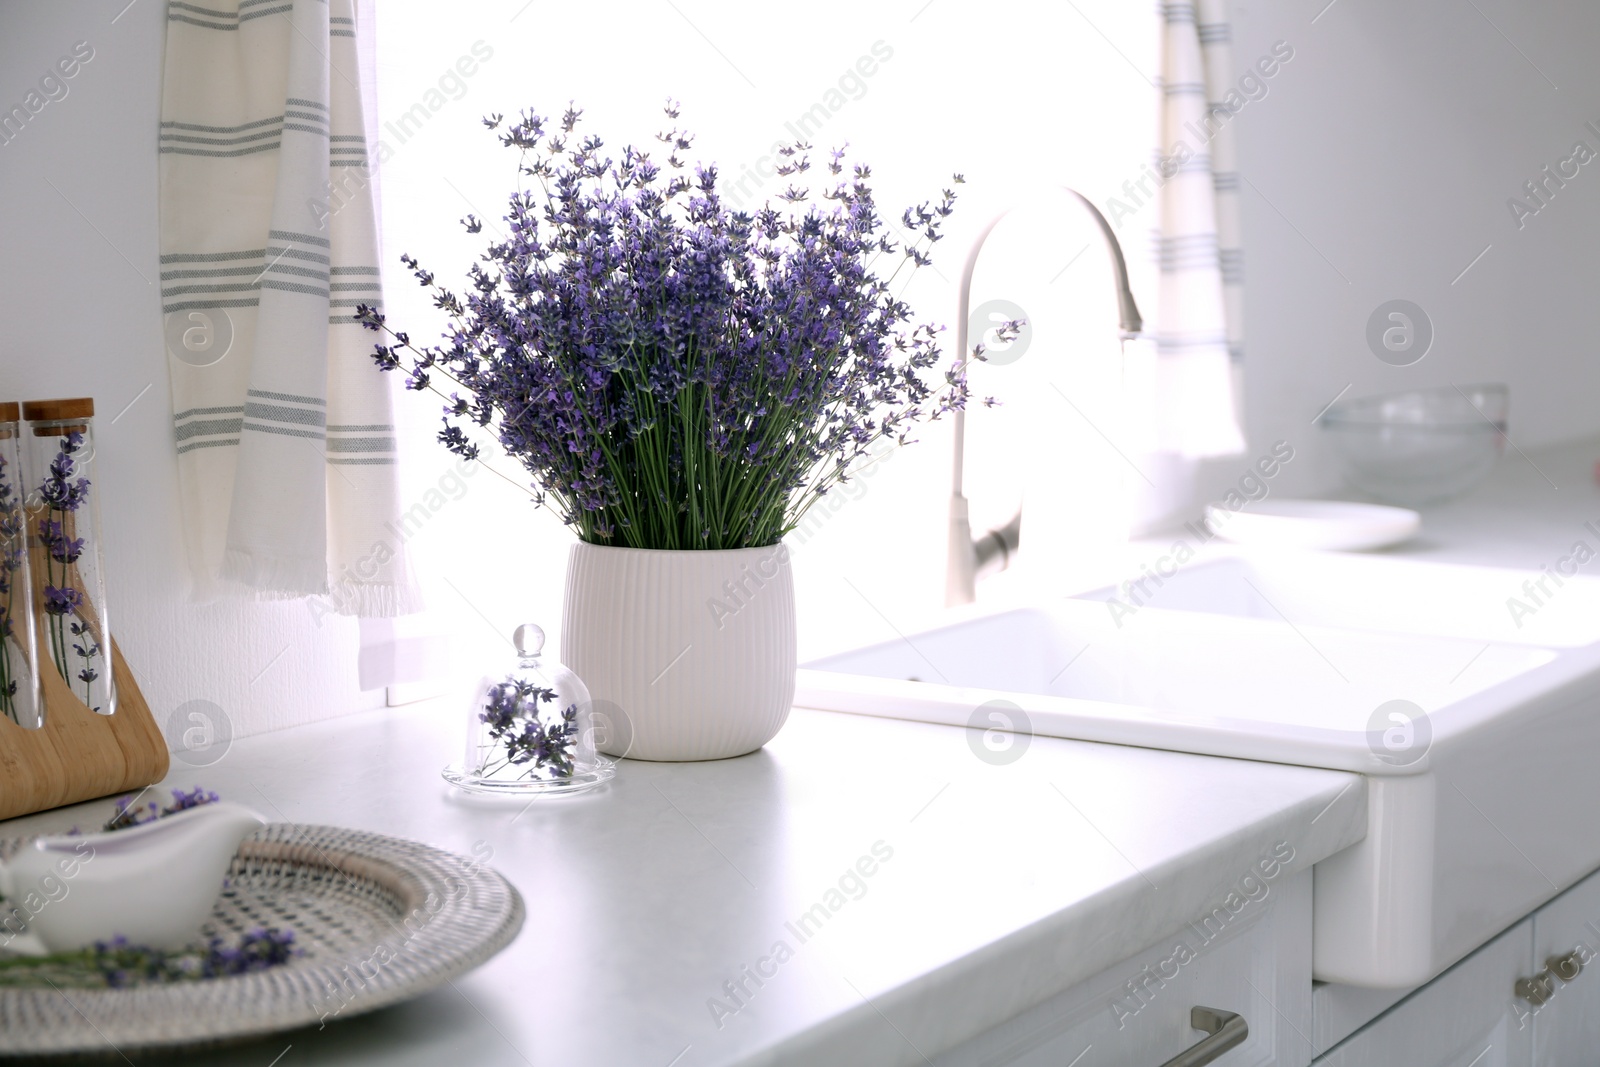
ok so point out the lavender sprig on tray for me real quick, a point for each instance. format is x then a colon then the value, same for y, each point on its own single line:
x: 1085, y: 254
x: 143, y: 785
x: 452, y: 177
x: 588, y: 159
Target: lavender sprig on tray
x: 128, y: 815
x: 674, y: 373
x: 119, y: 965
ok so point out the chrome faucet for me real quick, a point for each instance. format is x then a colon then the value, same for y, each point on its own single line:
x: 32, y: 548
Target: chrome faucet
x: 969, y: 558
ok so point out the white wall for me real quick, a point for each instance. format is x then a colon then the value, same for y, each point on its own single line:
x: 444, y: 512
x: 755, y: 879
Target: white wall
x: 1381, y: 164
x: 78, y: 256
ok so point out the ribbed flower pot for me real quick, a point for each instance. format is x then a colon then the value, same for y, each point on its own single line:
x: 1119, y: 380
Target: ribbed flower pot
x: 687, y: 655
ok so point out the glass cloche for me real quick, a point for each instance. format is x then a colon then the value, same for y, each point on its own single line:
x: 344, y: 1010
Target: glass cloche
x: 530, y: 730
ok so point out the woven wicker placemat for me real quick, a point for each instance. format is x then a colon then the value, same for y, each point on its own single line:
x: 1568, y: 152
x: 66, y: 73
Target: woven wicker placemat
x: 380, y: 920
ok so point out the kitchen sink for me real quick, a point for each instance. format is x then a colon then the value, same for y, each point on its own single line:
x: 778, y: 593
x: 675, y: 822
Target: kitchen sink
x: 1367, y: 592
x: 1477, y: 724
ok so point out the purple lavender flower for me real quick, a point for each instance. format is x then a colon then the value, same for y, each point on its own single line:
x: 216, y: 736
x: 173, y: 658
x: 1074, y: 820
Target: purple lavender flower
x: 259, y: 949
x: 513, y: 714
x: 128, y: 815
x: 118, y: 964
x: 673, y: 371
x: 61, y: 601
x: 182, y: 801
x: 122, y: 964
x: 62, y: 549
x: 59, y: 490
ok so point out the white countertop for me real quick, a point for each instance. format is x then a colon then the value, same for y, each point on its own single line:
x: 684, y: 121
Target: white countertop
x: 1006, y: 884
x: 1003, y: 884
x: 1526, y: 514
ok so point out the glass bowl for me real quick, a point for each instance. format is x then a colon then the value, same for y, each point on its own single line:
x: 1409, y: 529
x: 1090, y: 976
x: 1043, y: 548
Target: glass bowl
x: 1419, y: 447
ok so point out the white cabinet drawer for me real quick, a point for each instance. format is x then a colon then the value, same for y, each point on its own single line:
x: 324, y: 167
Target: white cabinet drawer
x: 1467, y: 1017
x: 1566, y: 1028
x: 1137, y: 1014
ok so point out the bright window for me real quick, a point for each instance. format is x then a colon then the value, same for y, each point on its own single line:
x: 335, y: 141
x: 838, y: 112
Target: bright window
x: 1015, y: 95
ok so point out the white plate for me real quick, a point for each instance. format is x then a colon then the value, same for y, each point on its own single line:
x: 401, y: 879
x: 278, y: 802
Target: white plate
x: 1321, y: 524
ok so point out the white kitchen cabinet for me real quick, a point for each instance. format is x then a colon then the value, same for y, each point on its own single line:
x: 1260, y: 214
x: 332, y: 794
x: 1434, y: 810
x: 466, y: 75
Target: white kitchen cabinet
x: 1138, y: 1013
x: 1566, y: 938
x: 1466, y: 1017
x: 1258, y: 966
x: 1477, y: 1015
x: 1337, y: 1011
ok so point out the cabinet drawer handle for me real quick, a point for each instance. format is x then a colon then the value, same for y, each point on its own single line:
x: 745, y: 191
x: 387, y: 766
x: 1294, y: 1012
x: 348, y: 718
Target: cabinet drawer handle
x: 1566, y: 967
x: 1226, y: 1029
x: 1536, y: 990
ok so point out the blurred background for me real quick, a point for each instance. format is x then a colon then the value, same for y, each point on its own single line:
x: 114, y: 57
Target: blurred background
x: 1378, y: 163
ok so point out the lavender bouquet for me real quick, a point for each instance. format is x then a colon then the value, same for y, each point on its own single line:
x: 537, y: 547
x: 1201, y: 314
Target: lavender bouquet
x: 672, y: 373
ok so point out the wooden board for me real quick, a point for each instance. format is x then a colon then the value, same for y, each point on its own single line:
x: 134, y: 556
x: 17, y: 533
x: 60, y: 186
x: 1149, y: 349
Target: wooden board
x: 78, y: 755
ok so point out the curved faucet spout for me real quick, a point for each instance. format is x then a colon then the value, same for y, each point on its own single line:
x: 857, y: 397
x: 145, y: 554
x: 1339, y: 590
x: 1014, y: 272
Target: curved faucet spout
x: 994, y: 549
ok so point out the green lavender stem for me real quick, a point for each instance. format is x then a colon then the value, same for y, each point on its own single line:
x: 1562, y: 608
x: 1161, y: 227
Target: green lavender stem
x: 58, y: 641
x: 7, y: 697
x: 71, y: 970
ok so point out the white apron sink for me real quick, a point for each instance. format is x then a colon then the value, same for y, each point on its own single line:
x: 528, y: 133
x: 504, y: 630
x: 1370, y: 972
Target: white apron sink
x: 1481, y: 807
x: 1364, y: 592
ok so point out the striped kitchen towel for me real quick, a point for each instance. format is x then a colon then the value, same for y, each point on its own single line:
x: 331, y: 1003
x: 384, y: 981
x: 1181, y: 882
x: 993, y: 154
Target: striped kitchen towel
x: 1198, y: 317
x: 284, y: 428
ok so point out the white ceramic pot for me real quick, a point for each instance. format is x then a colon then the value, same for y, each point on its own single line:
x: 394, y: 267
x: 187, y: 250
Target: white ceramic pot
x: 687, y: 655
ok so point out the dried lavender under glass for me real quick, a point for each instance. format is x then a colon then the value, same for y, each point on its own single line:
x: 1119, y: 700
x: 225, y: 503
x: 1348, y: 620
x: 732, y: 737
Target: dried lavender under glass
x: 531, y: 729
x: 523, y: 736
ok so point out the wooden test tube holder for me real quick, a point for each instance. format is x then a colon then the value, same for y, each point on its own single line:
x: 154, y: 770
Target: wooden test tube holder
x: 77, y: 754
